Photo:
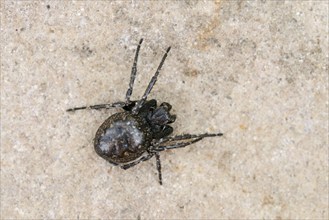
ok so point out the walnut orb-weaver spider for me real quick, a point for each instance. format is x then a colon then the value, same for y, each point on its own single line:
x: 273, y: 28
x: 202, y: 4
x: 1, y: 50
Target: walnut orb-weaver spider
x: 142, y: 130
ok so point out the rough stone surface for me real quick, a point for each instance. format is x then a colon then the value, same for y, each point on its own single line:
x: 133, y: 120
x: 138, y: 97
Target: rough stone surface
x: 255, y: 70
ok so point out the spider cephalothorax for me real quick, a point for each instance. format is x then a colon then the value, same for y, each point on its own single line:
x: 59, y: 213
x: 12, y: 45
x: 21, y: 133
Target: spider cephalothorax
x: 142, y: 130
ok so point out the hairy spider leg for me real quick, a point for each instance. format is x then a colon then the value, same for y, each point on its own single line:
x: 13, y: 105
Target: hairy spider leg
x: 161, y: 145
x: 133, y: 73
x: 175, y: 145
x: 157, y: 157
x: 151, y: 84
x: 188, y: 136
x: 100, y: 106
x: 145, y: 158
x: 149, y: 156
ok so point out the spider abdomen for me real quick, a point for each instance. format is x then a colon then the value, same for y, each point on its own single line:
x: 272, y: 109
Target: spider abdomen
x: 122, y: 138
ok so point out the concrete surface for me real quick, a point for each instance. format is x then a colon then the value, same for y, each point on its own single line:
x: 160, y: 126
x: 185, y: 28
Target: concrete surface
x: 256, y: 70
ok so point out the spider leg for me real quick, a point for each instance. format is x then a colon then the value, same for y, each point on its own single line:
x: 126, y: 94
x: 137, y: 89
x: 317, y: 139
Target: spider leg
x: 180, y: 141
x: 157, y: 157
x: 100, y: 106
x: 133, y: 73
x: 147, y: 157
x: 151, y: 84
x: 175, y: 145
x: 188, y: 136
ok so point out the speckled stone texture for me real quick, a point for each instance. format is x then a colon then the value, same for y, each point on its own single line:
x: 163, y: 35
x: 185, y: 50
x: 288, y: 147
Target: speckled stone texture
x: 254, y: 70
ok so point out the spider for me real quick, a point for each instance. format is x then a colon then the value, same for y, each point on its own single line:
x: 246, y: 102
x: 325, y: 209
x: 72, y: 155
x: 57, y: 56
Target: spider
x: 142, y: 130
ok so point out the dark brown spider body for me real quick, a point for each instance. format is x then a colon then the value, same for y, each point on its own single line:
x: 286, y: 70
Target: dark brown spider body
x: 142, y: 130
x: 125, y: 137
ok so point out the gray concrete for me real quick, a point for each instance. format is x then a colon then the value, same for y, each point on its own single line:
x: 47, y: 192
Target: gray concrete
x: 257, y: 71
